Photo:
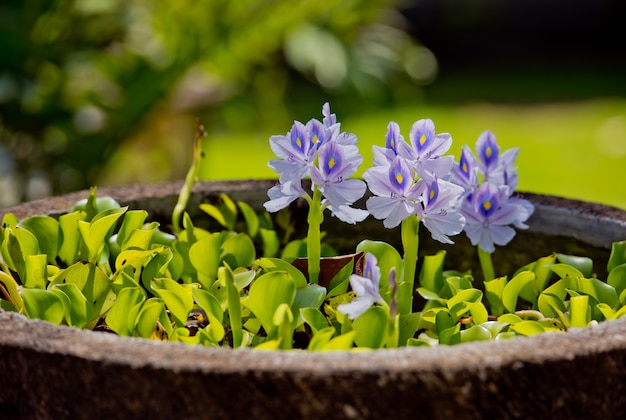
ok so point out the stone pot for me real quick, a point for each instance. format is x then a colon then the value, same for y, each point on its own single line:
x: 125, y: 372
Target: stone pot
x: 49, y: 371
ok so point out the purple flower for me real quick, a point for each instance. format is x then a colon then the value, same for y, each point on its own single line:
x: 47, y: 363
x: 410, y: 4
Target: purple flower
x: 396, y: 195
x: 439, y: 212
x: 366, y: 289
x: 336, y: 164
x: 427, y: 150
x: 395, y: 145
x: 490, y: 213
x: 465, y: 174
x: 317, y: 150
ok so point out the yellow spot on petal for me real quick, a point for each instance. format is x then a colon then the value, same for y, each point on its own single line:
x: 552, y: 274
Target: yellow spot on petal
x: 299, y: 142
x: 488, y: 152
x: 431, y: 195
x: 464, y: 167
x: 422, y: 139
x: 487, y: 205
x: 331, y: 163
x: 315, y: 139
x: 399, y: 178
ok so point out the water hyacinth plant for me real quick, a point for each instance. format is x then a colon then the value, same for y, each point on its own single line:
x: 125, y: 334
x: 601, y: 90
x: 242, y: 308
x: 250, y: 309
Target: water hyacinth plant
x: 231, y: 282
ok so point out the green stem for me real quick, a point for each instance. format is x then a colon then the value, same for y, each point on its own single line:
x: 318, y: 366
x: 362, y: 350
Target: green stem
x: 313, y: 239
x: 410, y: 244
x: 486, y: 264
x: 190, y: 179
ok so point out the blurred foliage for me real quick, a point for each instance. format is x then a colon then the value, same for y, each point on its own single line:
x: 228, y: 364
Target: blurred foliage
x: 79, y: 78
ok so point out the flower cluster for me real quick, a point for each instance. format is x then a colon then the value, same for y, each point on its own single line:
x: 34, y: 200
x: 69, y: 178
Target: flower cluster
x: 413, y: 179
x: 329, y: 157
x: 488, y: 205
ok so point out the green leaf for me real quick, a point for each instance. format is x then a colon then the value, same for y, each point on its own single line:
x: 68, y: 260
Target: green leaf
x: 35, y: 276
x: 177, y: 298
x: 475, y: 333
x: 495, y: 327
x: 94, y: 205
x: 70, y: 236
x: 431, y: 276
x: 527, y: 328
x: 493, y: 292
x: 238, y: 251
x: 122, y: 316
x: 12, y: 288
x: 95, y: 234
x: 462, y: 302
x: 511, y: 319
x: 339, y: 283
x: 321, y: 338
x: 271, y: 242
x: 208, y: 303
x: 617, y: 278
x: 553, y: 295
x: 407, y: 326
x: 276, y: 264
x: 215, y: 330
x: 513, y: 288
x: 283, y: 320
x: 479, y: 313
x: 371, y: 328
x: 148, y: 316
x: 46, y: 230
x: 579, y: 311
x: 225, y: 212
x: 315, y: 319
x: 133, y: 220
x: 310, y: 296
x: 268, y: 292
x: 225, y: 274
x: 618, y: 255
x: 542, y: 271
x: 582, y: 264
x: 451, y: 335
x: 251, y: 218
x: 44, y: 305
x: 18, y: 243
x: 204, y: 255
x: 564, y: 270
x: 91, y: 281
x: 77, y: 309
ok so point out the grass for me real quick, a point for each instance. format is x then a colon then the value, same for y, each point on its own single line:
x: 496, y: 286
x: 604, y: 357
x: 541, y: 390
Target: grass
x: 572, y: 149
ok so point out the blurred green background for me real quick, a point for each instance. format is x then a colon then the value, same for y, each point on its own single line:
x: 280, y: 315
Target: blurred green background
x: 108, y: 92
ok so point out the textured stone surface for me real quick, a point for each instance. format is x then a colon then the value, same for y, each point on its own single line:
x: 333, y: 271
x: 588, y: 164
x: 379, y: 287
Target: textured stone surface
x: 48, y: 371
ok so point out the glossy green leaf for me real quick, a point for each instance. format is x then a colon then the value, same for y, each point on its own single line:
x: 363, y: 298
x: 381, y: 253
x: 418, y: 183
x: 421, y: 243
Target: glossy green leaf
x: 95, y: 234
x: 618, y: 255
x: 617, y: 278
x: 94, y: 205
x: 339, y: 283
x: 276, y: 264
x: 225, y: 212
x: 78, y: 311
x: 133, y: 220
x: 91, y: 281
x: 238, y: 251
x: 582, y: 264
x: 371, y: 328
x: 493, y: 292
x: 226, y: 277
x: 599, y: 290
x: 407, y: 326
x: 270, y: 241
x: 10, y: 286
x: 431, y: 275
x: 177, y: 298
x: 315, y: 319
x: 321, y: 338
x: 44, y: 305
x: 70, y: 236
x: 46, y: 230
x: 512, y: 289
x: 443, y: 321
x: 510, y: 319
x: 283, y: 320
x: 579, y: 311
x: 527, y: 328
x: 122, y: 316
x: 9, y: 220
x: 251, y: 218
x: 543, y: 273
x: 268, y: 292
x: 208, y: 303
x: 479, y: 313
x: 148, y: 316
x: 451, y: 335
x: 16, y: 245
x: 564, y: 270
x: 553, y: 295
x: 215, y: 330
x: 495, y: 327
x: 204, y: 255
x: 475, y: 333
x: 35, y: 276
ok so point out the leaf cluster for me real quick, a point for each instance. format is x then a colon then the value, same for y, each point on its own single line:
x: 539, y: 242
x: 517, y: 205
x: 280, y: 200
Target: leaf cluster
x: 103, y: 266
